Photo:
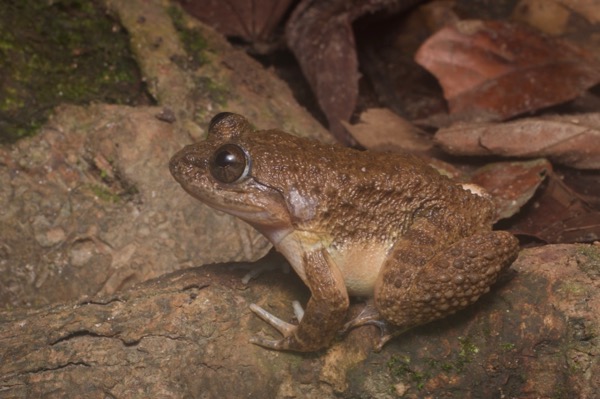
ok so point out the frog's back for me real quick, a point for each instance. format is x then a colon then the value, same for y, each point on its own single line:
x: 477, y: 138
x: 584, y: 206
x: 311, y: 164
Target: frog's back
x: 363, y: 194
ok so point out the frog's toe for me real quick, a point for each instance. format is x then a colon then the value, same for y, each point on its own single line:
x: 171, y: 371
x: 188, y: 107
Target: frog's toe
x: 286, y: 329
x: 268, y: 343
x: 387, y: 333
x: 368, y: 315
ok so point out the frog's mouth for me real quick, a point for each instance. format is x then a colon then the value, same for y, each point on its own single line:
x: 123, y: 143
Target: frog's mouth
x: 262, y: 208
x: 275, y: 225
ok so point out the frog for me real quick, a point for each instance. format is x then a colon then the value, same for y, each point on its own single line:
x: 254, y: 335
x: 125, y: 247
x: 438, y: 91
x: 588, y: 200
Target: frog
x: 386, y: 227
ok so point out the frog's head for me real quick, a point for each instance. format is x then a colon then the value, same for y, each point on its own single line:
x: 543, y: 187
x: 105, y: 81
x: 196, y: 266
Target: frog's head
x: 219, y: 172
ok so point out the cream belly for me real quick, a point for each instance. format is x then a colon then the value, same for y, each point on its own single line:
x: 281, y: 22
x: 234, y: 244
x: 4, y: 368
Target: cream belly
x: 358, y: 263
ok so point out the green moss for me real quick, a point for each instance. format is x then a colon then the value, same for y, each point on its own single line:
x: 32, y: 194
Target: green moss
x: 400, y: 368
x: 573, y: 288
x: 467, y: 352
x: 104, y: 194
x: 215, y: 92
x: 198, y: 54
x: 589, y: 262
x: 592, y: 252
x: 446, y: 367
x: 61, y: 51
x: 194, y: 43
x: 507, y: 346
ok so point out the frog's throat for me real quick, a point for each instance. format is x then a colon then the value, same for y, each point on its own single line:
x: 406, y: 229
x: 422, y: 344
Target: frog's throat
x: 275, y: 234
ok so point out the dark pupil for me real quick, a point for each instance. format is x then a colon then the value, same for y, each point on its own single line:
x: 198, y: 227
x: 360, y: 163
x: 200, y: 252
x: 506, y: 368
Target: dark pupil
x: 225, y: 158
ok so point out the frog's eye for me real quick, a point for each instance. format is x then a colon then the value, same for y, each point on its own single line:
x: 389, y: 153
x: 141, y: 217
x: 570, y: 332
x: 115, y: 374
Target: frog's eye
x: 230, y: 164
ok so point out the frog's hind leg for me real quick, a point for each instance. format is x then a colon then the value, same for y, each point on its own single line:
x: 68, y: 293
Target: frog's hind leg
x: 412, y: 290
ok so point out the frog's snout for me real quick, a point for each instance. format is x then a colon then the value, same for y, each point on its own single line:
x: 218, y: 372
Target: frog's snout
x: 182, y: 162
x: 174, y: 164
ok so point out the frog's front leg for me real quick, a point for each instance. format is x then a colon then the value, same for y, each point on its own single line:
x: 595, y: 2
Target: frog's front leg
x: 324, y: 313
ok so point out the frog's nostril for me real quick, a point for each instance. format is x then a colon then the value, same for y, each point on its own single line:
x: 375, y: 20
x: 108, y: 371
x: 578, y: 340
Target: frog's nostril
x: 192, y: 159
x: 174, y: 166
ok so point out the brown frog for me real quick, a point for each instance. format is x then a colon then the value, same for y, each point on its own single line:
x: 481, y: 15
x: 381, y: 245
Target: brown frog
x: 382, y: 226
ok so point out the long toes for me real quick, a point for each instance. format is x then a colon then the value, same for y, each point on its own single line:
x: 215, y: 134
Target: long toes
x: 368, y: 315
x: 363, y: 322
x: 286, y: 329
x: 267, y: 343
x: 387, y: 333
x: 383, y: 339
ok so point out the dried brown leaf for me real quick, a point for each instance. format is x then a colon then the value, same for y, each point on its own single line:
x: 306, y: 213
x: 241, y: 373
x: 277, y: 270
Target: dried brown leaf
x: 492, y: 70
x: 586, y: 183
x: 569, y: 140
x: 253, y: 20
x: 511, y: 184
x: 558, y: 215
x: 386, y: 48
x: 320, y: 35
x: 381, y: 129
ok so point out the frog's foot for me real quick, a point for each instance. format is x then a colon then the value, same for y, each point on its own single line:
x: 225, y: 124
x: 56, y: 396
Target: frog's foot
x: 388, y: 331
x: 314, y: 331
x: 286, y: 329
x: 370, y: 316
x: 325, y: 311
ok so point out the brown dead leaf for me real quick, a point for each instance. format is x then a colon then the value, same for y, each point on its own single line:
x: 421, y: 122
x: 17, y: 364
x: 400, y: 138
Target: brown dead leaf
x: 511, y: 184
x: 447, y: 169
x: 492, y: 70
x: 558, y: 215
x: 569, y: 140
x: 382, y: 130
x: 386, y: 49
x: 586, y: 183
x: 321, y: 37
x: 253, y: 21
